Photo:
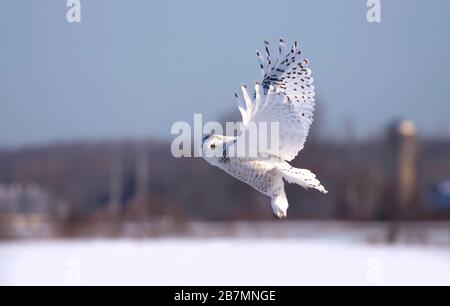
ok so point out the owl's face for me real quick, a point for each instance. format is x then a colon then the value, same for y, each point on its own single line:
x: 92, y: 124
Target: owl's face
x: 213, y: 147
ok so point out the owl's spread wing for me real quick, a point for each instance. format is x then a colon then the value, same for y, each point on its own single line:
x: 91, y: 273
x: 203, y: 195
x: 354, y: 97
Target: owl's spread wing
x: 286, y: 96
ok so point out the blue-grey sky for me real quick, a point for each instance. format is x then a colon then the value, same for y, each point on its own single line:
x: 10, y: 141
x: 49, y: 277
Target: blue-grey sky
x: 132, y: 68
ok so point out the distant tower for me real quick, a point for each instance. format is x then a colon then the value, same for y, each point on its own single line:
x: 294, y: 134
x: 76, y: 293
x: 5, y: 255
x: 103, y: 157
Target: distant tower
x: 116, y: 181
x: 402, y: 172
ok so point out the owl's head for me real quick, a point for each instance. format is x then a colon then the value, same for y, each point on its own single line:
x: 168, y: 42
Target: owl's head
x: 213, y: 147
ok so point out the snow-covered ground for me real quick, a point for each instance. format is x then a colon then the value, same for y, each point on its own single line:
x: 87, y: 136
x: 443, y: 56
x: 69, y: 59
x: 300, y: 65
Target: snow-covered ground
x: 221, y: 261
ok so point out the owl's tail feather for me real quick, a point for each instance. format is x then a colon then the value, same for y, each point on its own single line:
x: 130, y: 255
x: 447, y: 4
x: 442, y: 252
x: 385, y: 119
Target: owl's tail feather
x: 302, y: 177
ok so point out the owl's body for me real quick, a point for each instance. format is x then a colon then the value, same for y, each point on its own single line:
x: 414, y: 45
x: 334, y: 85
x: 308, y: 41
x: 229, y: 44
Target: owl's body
x: 259, y: 173
x: 285, y: 97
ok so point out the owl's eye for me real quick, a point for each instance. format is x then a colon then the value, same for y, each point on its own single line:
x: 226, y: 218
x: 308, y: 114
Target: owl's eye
x: 213, y: 146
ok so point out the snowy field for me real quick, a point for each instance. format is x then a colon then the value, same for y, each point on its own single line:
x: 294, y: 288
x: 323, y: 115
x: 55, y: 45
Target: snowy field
x: 221, y: 261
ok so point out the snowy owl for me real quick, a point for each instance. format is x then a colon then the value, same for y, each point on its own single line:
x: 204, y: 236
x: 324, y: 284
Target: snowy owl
x: 285, y: 96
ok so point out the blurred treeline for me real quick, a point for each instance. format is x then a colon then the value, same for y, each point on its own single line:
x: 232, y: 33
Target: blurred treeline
x: 140, y: 180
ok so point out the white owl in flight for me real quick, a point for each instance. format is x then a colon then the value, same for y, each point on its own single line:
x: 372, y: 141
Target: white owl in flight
x: 285, y: 96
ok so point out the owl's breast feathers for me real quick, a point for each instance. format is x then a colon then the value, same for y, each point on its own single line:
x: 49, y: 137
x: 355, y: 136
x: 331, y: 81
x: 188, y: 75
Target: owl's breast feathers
x: 260, y: 174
